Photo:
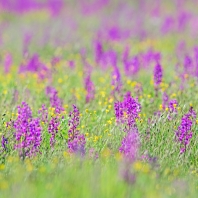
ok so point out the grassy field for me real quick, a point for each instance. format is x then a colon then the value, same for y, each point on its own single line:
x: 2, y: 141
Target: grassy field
x: 99, y: 99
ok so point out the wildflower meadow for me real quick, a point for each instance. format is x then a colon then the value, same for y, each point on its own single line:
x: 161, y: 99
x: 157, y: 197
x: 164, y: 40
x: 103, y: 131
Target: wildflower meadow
x: 98, y: 98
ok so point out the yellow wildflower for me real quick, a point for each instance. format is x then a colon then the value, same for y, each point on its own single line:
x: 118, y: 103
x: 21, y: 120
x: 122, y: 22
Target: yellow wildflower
x: 2, y: 166
x: 141, y: 167
x: 107, y: 110
x: 110, y: 100
x: 106, y: 152
x: 60, y: 80
x: 3, y: 185
x: 86, y: 134
x: 109, y: 122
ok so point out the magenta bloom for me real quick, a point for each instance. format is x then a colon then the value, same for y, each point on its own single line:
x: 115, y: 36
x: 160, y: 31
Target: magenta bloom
x: 76, y: 141
x: 98, y: 50
x: 127, y: 110
x: 35, y: 65
x: 116, y: 80
x: 89, y: 87
x: 184, y: 132
x: 172, y: 105
x: 7, y: 63
x: 4, y: 142
x: 132, y: 66
x: 158, y: 74
x: 54, y: 123
x: 44, y: 113
x: 130, y: 145
x: 21, y: 6
x: 55, y: 101
x: 165, y: 99
x: 27, y: 132
x: 53, y: 129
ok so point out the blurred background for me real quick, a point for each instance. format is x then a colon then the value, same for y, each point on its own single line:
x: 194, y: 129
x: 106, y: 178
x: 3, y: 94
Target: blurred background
x: 35, y: 24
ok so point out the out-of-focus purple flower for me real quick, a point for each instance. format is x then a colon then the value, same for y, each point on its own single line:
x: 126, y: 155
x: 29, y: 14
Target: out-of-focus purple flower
x: 83, y: 53
x: 196, y: 60
x: 54, y: 122
x: 165, y: 99
x: 132, y: 66
x: 27, y: 132
x: 148, y: 158
x: 71, y: 64
x: 74, y: 121
x: 93, y: 154
x: 34, y: 65
x: 4, y: 142
x: 168, y: 25
x: 115, y: 33
x: 127, y: 175
x: 92, y: 7
x: 35, y: 135
x: 77, y: 145
x: 181, y: 49
x: 55, y: 101
x: 149, y: 57
x: 21, y: 6
x: 76, y: 141
x: 127, y: 111
x: 157, y: 74
x: 55, y: 6
x: 192, y: 113
x: 116, y: 80
x: 55, y: 60
x: 26, y: 42
x: 50, y: 91
x: 53, y: 129
x: 184, y: 132
x: 109, y: 58
x: 156, y: 10
x: 119, y: 111
x: 44, y: 113
x: 157, y: 56
x: 157, y: 113
x: 7, y: 63
x: 146, y: 58
x: 89, y: 87
x: 104, y: 58
x: 132, y: 109
x: 125, y: 55
x: 98, y: 50
x: 188, y: 65
x: 130, y: 146
x: 182, y: 20
x: 172, y: 106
